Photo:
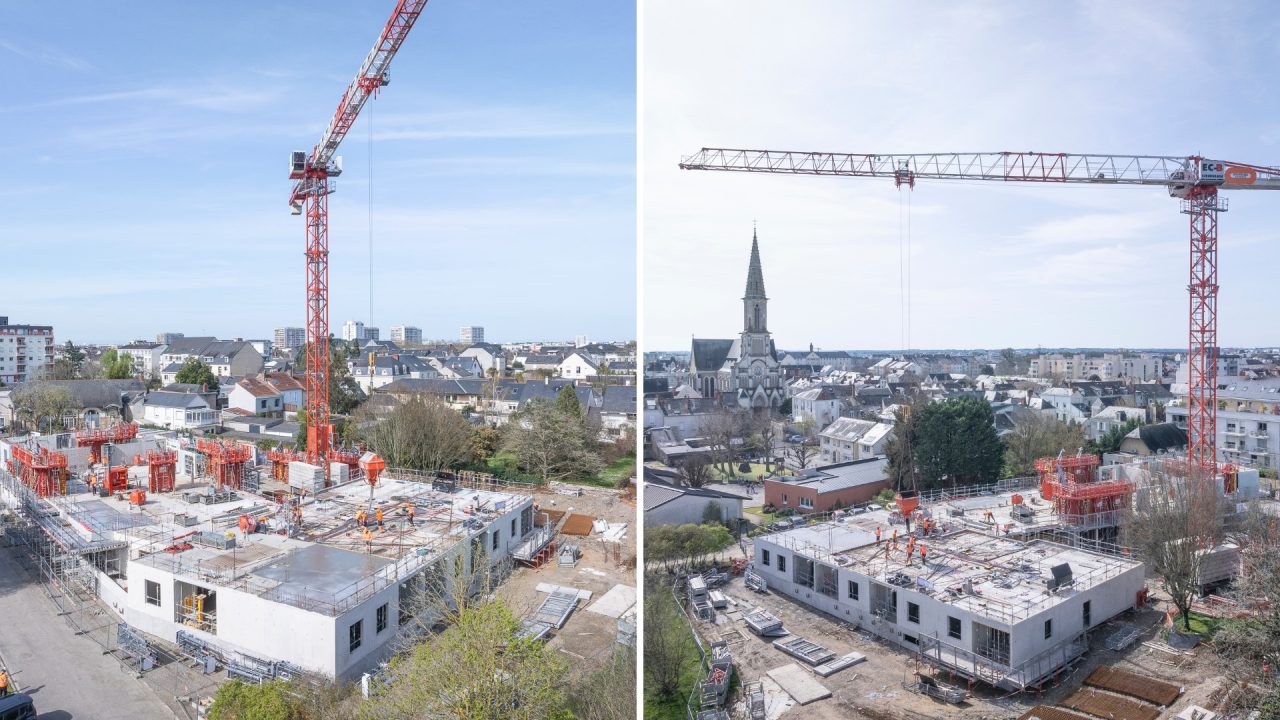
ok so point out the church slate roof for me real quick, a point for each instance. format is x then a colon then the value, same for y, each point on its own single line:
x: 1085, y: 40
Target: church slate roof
x: 709, y: 355
x: 755, y: 274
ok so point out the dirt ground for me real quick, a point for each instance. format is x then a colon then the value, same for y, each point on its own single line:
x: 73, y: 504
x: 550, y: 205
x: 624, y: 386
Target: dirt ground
x: 876, y: 688
x: 587, y: 636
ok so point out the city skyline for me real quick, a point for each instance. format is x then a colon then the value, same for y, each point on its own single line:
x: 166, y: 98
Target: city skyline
x: 481, y: 160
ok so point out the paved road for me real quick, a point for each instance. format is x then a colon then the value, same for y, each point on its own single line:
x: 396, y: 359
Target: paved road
x: 67, y: 675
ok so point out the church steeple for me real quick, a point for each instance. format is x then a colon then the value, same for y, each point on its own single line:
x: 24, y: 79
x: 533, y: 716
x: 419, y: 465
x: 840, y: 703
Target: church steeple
x: 755, y: 306
x: 755, y: 275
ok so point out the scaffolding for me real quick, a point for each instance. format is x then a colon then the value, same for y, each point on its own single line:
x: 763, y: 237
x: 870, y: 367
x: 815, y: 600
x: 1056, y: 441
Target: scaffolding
x: 280, y: 459
x: 96, y: 438
x: 1083, y: 502
x: 41, y: 469
x: 161, y: 470
x: 228, y: 462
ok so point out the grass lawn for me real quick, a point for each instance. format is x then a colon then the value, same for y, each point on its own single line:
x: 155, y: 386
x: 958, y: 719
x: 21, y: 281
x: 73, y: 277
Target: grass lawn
x: 760, y: 516
x: 1202, y: 625
x: 757, y: 469
x: 673, y: 708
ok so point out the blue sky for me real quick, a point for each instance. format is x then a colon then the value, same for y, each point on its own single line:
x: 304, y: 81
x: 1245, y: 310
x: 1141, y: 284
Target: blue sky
x: 146, y: 149
x: 991, y: 265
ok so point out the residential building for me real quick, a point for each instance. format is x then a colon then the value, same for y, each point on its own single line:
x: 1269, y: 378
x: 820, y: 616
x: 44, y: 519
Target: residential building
x: 1155, y: 439
x: 471, y: 334
x: 1111, y: 418
x: 489, y: 357
x: 94, y: 403
x: 290, y: 338
x: 672, y: 504
x: 578, y: 366
x: 292, y: 390
x: 746, y: 371
x: 265, y: 348
x: 24, y: 351
x: 828, y: 487
x: 618, y: 411
x: 175, y: 410
x: 1109, y: 366
x: 255, y: 396
x: 406, y: 335
x: 1248, y: 428
x: 226, y: 358
x: 167, y: 338
x: 352, y: 330
x: 981, y: 621
x: 371, y: 333
x: 820, y: 405
x: 849, y: 439
x: 146, y: 357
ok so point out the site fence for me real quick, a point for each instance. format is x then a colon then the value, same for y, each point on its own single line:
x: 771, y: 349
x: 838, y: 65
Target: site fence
x: 466, y: 478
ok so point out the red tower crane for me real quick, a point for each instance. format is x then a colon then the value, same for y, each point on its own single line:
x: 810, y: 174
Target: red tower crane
x: 1195, y: 180
x: 311, y: 192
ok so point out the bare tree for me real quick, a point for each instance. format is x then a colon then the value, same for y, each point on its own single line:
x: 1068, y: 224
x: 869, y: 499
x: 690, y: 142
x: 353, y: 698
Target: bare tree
x: 696, y: 470
x: 802, y: 453
x: 1177, y: 519
x: 1036, y: 435
x: 422, y: 434
x: 720, y: 430
x: 43, y: 405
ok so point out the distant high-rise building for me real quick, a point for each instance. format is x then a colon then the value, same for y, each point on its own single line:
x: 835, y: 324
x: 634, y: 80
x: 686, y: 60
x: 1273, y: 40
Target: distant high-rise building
x: 371, y: 333
x: 291, y: 337
x: 167, y: 338
x: 353, y: 330
x: 581, y: 341
x: 406, y: 335
x: 471, y: 334
x: 24, y: 350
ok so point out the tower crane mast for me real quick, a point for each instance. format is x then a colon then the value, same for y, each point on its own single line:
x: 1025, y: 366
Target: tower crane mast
x: 1194, y: 179
x: 309, y: 197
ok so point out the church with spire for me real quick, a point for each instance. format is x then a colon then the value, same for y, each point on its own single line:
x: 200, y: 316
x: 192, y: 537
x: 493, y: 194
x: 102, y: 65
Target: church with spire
x: 742, y: 371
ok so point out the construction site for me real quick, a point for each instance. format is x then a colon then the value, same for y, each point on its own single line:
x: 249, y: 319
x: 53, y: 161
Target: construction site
x: 1012, y: 600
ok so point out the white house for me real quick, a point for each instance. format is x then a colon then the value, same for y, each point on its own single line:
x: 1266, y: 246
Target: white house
x: 618, y: 411
x: 1111, y: 418
x: 490, y: 357
x: 146, y: 357
x: 578, y: 366
x: 849, y: 439
x: 256, y: 397
x: 819, y: 405
x: 176, y: 411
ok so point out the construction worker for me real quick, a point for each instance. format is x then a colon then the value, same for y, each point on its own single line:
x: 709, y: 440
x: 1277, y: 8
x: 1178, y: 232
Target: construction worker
x: 877, y: 534
x: 379, y: 517
x: 924, y: 555
x: 368, y: 540
x: 4, y: 683
x: 895, y: 537
x: 411, y: 516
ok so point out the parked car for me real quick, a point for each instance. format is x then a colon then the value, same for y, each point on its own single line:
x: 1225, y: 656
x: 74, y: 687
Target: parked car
x: 17, y: 707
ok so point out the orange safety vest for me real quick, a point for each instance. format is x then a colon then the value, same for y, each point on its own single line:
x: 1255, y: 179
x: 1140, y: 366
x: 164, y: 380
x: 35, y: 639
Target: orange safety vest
x: 4, y: 680
x: 379, y: 515
x: 367, y: 535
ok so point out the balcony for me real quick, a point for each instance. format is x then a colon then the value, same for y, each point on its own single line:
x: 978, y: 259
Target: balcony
x: 1236, y: 431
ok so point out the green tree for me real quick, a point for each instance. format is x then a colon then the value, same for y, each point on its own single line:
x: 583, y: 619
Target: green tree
x: 687, y: 544
x: 116, y: 366
x: 668, y: 647
x: 549, y: 443
x: 1111, y: 441
x: 194, y: 372
x: 344, y: 393
x: 1010, y: 362
x: 956, y: 443
x: 300, y: 440
x: 900, y: 450
x: 237, y: 700
x: 567, y: 402
x: 477, y: 669
x: 608, y: 692
x: 485, y: 441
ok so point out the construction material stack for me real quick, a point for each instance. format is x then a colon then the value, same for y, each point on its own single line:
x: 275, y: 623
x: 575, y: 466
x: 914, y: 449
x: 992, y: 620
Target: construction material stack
x: 306, y: 477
